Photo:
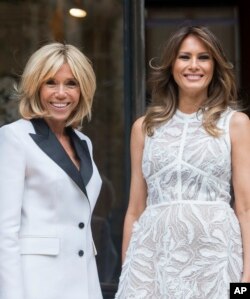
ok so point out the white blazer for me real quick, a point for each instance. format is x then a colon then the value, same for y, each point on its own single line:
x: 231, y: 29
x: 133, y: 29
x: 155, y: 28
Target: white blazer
x: 46, y: 245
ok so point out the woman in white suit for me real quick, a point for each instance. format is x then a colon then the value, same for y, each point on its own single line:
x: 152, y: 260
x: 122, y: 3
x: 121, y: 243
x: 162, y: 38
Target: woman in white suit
x: 49, y: 182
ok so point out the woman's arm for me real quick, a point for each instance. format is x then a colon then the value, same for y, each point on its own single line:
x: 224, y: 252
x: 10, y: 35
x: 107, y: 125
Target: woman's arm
x: 240, y: 136
x: 12, y: 174
x: 138, y: 189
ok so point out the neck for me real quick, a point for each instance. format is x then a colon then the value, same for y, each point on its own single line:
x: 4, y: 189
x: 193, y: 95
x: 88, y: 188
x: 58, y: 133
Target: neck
x: 58, y: 128
x: 190, y: 104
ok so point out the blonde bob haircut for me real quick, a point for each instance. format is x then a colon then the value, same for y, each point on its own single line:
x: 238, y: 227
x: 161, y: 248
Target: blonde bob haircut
x: 42, y: 65
x: 222, y: 91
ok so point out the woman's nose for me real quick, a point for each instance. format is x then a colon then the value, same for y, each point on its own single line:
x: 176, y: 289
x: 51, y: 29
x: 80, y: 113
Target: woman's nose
x: 60, y: 89
x: 194, y: 63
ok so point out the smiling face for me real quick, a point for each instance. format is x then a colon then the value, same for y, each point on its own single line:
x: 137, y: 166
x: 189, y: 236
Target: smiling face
x: 59, y: 96
x: 193, y: 68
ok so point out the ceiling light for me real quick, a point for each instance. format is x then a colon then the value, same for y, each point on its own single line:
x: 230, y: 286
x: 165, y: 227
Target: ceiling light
x: 77, y: 10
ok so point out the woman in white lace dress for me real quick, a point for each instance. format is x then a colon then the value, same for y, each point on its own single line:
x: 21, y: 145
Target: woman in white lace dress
x: 182, y: 239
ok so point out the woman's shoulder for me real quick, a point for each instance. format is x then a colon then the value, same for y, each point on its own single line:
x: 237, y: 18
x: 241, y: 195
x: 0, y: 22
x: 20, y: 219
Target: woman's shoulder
x: 137, y: 131
x: 17, y: 126
x: 239, y: 119
x: 138, y: 124
x: 239, y: 126
x: 16, y: 133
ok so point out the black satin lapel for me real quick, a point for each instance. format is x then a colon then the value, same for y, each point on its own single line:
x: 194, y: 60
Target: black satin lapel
x: 49, y: 144
x: 82, y: 150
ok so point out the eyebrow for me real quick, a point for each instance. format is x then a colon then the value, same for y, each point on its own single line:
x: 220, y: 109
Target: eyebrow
x: 53, y: 78
x: 187, y: 53
x: 72, y: 78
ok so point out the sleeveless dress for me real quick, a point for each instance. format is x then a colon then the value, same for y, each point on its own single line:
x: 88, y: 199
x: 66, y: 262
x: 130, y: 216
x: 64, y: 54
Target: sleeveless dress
x: 187, y: 243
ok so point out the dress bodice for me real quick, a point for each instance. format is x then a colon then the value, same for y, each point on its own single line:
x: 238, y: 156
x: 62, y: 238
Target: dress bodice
x: 181, y: 161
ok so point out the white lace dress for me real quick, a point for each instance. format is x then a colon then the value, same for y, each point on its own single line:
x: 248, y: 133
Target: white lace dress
x: 187, y: 243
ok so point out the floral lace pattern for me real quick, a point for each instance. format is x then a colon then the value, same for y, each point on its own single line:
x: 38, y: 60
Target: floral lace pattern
x: 187, y: 243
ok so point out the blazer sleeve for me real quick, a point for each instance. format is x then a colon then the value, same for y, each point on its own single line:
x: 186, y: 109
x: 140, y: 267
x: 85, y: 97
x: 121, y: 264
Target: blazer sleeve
x: 12, y: 176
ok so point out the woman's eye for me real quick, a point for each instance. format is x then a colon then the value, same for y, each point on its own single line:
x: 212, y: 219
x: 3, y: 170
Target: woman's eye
x: 204, y: 57
x: 50, y: 82
x: 71, y: 83
x: 184, y: 57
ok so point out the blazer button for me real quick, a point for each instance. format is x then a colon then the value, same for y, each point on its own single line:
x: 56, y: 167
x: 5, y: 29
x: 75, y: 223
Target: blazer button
x: 81, y: 253
x: 81, y: 225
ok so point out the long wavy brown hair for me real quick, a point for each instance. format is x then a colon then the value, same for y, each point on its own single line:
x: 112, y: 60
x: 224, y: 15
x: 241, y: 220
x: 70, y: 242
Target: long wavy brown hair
x: 222, y: 91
